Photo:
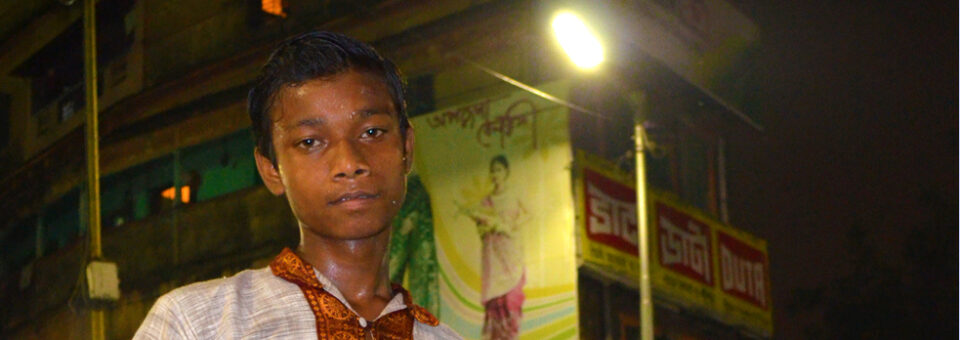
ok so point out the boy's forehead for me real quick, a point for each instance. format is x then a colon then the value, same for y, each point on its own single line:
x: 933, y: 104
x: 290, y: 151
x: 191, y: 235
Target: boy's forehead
x: 318, y: 121
x: 365, y: 90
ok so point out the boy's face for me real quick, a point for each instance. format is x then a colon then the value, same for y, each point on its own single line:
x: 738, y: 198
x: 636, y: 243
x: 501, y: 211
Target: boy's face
x: 341, y: 158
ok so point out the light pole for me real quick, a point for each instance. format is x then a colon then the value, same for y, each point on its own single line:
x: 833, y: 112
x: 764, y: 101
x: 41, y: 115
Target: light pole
x: 586, y: 51
x: 92, y: 147
x: 643, y: 228
x: 102, y: 280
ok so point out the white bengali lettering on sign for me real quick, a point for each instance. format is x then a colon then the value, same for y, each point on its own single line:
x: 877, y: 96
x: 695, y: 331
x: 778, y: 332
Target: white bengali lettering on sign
x: 689, y: 248
x: 742, y: 275
x: 611, y: 216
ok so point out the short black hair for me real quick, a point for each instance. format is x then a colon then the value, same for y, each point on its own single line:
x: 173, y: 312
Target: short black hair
x: 500, y: 159
x: 316, y: 55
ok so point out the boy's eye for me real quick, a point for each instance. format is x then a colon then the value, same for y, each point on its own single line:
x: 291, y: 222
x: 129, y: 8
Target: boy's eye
x: 308, y: 142
x: 373, y: 132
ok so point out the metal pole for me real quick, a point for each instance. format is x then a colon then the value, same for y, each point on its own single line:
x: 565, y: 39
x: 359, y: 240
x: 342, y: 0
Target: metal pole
x: 722, y: 174
x: 92, y: 148
x: 92, y: 133
x: 646, y: 296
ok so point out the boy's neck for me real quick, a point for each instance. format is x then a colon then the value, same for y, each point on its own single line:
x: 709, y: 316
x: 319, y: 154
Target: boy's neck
x: 358, y: 268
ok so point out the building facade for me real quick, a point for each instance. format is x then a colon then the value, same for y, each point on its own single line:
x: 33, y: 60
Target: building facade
x: 181, y: 200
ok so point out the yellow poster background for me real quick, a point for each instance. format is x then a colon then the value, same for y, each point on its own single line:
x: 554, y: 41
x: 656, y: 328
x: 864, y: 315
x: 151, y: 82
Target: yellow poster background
x: 453, y: 153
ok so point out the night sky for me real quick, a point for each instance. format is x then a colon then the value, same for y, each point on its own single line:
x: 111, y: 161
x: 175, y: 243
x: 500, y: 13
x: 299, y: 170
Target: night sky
x: 854, y: 181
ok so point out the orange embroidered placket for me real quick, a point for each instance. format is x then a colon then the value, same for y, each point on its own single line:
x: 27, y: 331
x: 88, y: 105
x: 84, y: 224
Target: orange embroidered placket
x: 334, y: 319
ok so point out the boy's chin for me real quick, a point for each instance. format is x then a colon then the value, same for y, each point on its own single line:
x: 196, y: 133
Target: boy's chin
x: 354, y: 230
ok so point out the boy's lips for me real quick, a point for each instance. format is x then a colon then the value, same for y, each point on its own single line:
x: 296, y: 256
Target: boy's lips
x: 356, y: 196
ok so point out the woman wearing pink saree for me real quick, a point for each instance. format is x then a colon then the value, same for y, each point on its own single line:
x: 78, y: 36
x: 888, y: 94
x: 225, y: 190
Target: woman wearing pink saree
x: 498, y: 217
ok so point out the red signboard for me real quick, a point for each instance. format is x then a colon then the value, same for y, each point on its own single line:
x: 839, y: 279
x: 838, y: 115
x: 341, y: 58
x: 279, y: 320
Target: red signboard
x: 611, y: 212
x: 683, y: 244
x: 743, y: 270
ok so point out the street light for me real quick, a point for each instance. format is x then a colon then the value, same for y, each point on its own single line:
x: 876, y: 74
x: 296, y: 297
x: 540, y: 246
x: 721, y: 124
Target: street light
x: 586, y: 52
x: 576, y: 39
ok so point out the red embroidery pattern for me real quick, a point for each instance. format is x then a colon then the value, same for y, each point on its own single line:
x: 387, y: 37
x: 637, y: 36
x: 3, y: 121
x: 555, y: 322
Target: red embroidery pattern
x: 334, y: 320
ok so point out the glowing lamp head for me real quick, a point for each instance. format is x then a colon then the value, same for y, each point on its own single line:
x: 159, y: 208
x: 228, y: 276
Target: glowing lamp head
x: 577, y: 41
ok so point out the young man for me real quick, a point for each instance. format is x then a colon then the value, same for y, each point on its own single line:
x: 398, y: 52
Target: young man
x: 332, y: 137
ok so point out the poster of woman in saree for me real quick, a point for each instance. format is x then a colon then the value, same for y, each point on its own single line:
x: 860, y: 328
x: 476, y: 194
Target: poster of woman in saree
x: 498, y: 217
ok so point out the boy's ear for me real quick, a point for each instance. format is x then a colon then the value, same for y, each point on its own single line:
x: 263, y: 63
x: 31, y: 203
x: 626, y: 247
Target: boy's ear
x: 408, y: 150
x: 269, y: 173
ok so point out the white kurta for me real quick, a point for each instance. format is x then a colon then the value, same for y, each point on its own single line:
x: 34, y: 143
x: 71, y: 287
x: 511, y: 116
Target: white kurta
x: 253, y: 304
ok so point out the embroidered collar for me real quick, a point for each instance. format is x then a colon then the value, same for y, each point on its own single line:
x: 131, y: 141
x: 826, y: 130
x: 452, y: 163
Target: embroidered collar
x: 289, y: 266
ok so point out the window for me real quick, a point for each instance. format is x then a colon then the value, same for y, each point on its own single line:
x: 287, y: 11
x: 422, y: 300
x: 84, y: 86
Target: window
x: 608, y: 310
x: 273, y: 7
x: 683, y: 161
x: 209, y: 170
x: 56, y: 70
x: 61, y: 221
x: 220, y: 166
x: 135, y: 193
x: 171, y: 194
x: 681, y: 157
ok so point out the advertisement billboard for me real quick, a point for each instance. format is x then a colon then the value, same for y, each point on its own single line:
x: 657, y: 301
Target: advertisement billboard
x: 682, y: 260
x: 696, y: 262
x: 607, y: 217
x: 498, y: 179
x: 702, y: 264
x: 744, y: 279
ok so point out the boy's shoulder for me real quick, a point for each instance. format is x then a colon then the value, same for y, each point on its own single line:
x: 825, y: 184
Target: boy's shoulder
x: 209, y: 309
x: 245, y: 284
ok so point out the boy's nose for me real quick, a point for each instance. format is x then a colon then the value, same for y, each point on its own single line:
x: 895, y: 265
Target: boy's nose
x: 349, y: 162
